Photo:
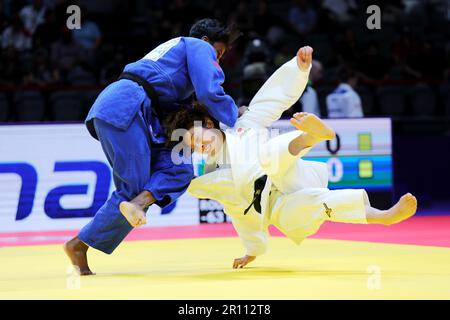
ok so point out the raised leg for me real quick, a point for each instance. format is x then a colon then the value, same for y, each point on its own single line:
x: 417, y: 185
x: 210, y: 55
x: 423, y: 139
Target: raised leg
x: 314, y: 131
x: 168, y: 182
x: 135, y: 210
x: 280, y: 157
x: 402, y: 210
x: 128, y: 153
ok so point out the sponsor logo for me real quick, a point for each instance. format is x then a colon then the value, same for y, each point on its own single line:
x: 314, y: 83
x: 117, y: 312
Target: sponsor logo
x: 327, y: 210
x: 52, y: 203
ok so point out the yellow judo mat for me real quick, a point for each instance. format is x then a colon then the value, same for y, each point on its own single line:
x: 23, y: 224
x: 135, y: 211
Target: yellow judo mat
x: 201, y: 269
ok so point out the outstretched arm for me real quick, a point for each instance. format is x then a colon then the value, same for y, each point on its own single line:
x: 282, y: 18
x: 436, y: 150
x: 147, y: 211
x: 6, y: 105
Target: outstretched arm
x: 252, y: 236
x: 207, y: 78
x: 280, y: 91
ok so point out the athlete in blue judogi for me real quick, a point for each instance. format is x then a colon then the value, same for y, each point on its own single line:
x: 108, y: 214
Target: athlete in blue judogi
x: 126, y: 119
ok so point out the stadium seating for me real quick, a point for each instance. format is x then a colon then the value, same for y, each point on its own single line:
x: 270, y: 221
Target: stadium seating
x: 367, y: 100
x: 30, y: 105
x: 88, y: 99
x: 444, y: 92
x: 321, y: 43
x: 66, y: 105
x: 322, y: 93
x: 423, y: 101
x: 81, y: 77
x: 392, y: 100
x: 4, y: 107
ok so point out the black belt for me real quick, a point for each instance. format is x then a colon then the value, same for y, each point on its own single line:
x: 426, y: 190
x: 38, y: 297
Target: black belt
x: 148, y: 88
x: 259, y: 187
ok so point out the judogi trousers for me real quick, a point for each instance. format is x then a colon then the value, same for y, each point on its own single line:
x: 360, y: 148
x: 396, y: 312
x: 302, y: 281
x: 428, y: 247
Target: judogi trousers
x: 299, y: 199
x: 137, y: 166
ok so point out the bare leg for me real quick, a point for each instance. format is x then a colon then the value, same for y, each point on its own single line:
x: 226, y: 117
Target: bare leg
x: 314, y: 131
x: 402, y: 210
x: 76, y: 250
x: 134, y: 210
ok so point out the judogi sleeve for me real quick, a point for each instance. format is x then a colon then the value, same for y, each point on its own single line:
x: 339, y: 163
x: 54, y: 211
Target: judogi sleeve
x: 168, y: 180
x: 355, y: 106
x: 207, y: 78
x: 253, y: 237
x: 277, y: 94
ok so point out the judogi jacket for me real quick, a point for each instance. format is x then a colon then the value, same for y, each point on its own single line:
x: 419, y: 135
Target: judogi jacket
x: 176, y: 69
x: 233, y: 186
x: 344, y: 102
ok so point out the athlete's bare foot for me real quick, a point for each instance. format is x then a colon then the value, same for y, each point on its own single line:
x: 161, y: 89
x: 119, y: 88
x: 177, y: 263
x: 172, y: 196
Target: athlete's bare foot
x: 402, y: 210
x: 312, y: 125
x: 76, y: 250
x: 133, y: 213
x: 135, y: 209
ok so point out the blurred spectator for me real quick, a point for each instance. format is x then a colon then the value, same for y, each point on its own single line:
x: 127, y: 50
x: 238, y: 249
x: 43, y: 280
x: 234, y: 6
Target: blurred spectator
x: 283, y: 55
x: 302, y: 16
x: 264, y: 19
x: 254, y: 76
x: 373, y: 65
x: 347, y: 49
x: 47, y: 32
x: 16, y: 37
x: 113, y: 69
x: 256, y: 69
x: 430, y: 61
x: 9, y: 66
x: 447, y: 62
x: 33, y: 15
x: 45, y: 72
x: 392, y: 10
x: 241, y: 17
x: 309, y: 100
x: 180, y: 16
x: 89, y: 36
x: 434, y: 9
x: 341, y: 11
x: 80, y: 75
x: 172, y: 20
x: 256, y: 51
x: 64, y: 53
x: 412, y: 45
x: 275, y: 35
x: 344, y: 101
x: 406, y: 44
x: 40, y: 73
x: 2, y: 17
x: 268, y: 25
x: 405, y: 50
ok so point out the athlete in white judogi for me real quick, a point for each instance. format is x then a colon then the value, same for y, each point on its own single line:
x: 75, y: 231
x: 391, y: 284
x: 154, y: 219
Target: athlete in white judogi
x: 264, y: 181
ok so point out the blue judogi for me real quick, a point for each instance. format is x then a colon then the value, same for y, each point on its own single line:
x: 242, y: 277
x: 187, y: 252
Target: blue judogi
x: 132, y: 137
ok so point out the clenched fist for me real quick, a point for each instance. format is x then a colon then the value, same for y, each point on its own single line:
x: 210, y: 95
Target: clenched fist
x: 242, y: 262
x: 304, y: 58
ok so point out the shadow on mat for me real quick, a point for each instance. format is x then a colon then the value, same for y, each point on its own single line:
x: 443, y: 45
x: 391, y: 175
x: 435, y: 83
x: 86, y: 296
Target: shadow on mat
x: 236, y: 274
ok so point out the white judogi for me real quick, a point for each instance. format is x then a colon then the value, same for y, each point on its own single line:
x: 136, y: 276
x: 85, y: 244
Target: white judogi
x: 310, y: 101
x: 344, y: 102
x: 295, y: 192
